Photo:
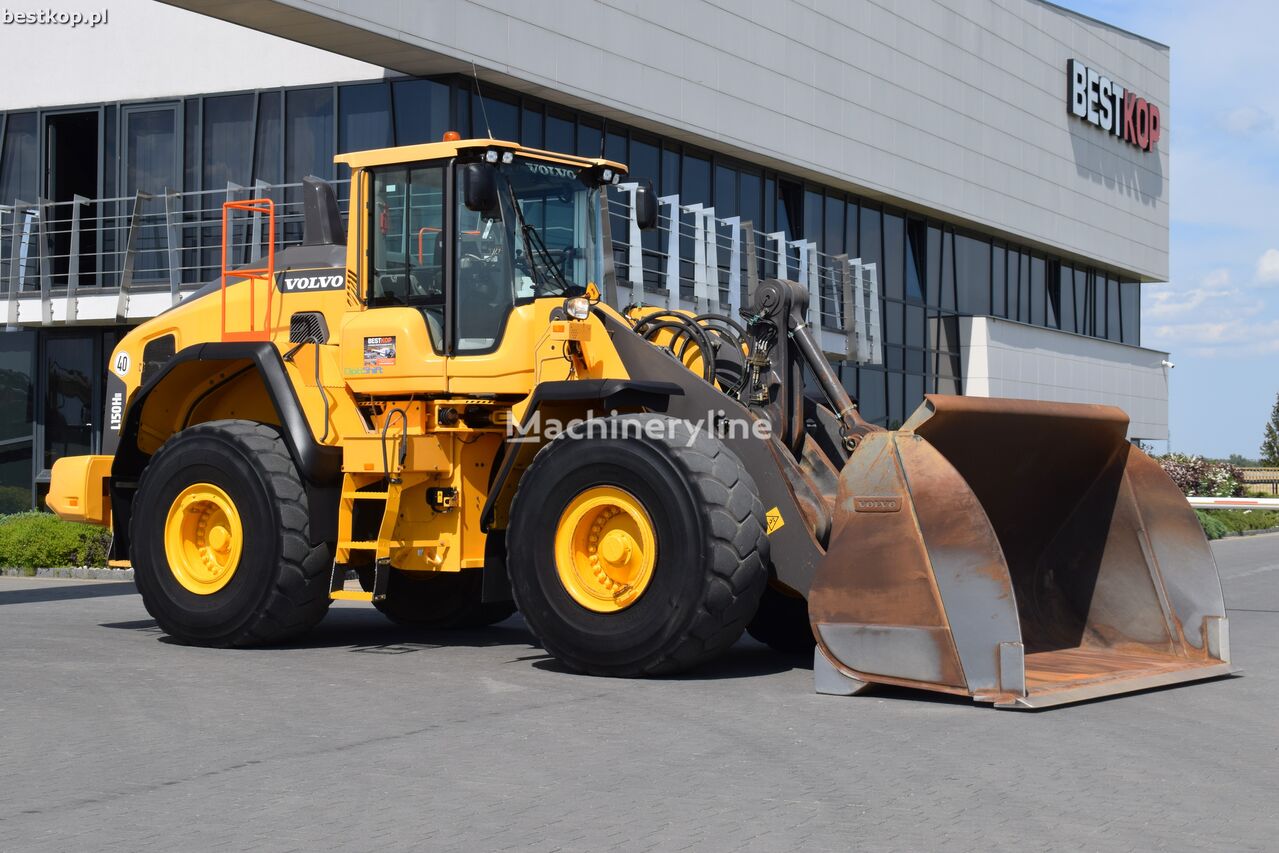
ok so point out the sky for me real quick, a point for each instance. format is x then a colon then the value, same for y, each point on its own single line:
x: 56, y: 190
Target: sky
x: 1219, y: 313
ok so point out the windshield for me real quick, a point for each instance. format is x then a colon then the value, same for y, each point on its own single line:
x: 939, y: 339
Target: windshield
x: 541, y: 241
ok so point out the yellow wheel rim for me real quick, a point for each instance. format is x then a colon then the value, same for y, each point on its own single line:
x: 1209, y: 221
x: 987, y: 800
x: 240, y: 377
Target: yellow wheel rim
x: 203, y: 538
x: 605, y: 549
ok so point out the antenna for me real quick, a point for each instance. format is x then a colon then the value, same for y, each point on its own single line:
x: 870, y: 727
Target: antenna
x: 483, y: 110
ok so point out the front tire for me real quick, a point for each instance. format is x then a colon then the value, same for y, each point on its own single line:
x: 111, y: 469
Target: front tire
x: 220, y: 535
x: 638, y: 549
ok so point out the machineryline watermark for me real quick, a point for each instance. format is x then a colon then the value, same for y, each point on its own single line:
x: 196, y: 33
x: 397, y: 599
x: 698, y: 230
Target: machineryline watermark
x: 55, y: 17
x: 717, y: 424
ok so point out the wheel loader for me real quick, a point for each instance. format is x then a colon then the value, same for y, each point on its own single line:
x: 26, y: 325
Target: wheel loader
x: 437, y: 406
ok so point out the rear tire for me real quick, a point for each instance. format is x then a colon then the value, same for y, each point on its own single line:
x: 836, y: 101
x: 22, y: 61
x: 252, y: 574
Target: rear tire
x: 710, y: 553
x: 277, y: 589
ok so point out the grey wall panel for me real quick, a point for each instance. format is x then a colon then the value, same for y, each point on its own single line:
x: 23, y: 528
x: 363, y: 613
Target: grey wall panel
x: 957, y: 107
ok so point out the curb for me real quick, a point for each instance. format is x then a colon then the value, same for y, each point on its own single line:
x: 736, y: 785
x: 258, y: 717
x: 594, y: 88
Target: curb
x: 83, y: 573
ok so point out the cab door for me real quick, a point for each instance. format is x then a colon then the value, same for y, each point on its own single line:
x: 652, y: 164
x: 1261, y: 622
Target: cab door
x: 398, y: 344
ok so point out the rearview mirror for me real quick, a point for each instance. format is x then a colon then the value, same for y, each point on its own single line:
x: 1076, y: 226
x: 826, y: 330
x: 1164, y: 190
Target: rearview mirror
x: 646, y: 206
x: 479, y: 187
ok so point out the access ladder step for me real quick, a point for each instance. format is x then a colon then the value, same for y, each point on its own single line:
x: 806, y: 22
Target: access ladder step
x: 339, y: 592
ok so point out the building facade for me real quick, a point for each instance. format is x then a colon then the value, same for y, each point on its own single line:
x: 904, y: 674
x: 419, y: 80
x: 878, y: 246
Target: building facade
x: 942, y: 142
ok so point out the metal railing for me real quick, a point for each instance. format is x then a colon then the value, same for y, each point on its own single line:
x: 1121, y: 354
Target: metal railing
x: 170, y: 242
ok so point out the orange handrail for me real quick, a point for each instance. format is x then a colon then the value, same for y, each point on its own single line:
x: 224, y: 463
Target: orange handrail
x: 251, y: 274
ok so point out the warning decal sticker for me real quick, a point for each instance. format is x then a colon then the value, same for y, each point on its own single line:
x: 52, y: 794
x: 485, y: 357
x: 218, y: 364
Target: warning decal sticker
x: 774, y: 519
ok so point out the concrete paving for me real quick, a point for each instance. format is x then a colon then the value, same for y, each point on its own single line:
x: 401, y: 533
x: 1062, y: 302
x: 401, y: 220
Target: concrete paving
x: 366, y: 736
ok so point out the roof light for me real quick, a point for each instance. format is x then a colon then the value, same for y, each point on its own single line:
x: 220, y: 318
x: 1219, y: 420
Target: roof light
x: 452, y: 136
x: 607, y: 176
x: 508, y: 157
x: 617, y: 178
x: 490, y: 156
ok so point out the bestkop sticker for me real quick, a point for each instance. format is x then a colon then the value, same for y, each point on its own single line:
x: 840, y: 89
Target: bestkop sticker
x: 379, y: 351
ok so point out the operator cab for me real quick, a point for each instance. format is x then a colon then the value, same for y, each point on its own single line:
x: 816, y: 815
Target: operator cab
x: 526, y: 224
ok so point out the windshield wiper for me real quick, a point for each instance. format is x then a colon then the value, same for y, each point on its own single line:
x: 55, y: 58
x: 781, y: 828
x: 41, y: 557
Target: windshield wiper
x: 535, y: 248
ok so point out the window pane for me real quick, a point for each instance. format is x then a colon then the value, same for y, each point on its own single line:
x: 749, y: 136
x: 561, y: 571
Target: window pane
x: 1112, y: 310
x: 1097, y: 293
x: 17, y: 416
x: 531, y: 128
x: 998, y: 284
x: 872, y: 396
x: 1053, y: 283
x: 932, y: 266
x: 1067, y: 288
x: 308, y: 134
x: 972, y: 274
x: 916, y: 238
x: 1038, y: 293
x: 267, y: 153
x: 869, y: 239
x: 891, y: 275
x: 695, y: 183
x: 559, y: 133
x: 615, y: 147
x: 1082, y: 316
x: 914, y: 392
x: 813, y: 209
x: 948, y: 271
x: 915, y: 326
x: 790, y: 209
x: 1023, y: 297
x: 18, y: 169
x: 590, y: 137
x: 503, y: 118
x: 670, y: 171
x: 751, y: 199
x: 364, y: 119
x: 896, y: 401
x: 1130, y: 299
x: 228, y: 140
x: 851, y: 243
x: 725, y: 192
x: 421, y: 111
x: 408, y: 240
x: 68, y: 403
x: 834, y: 236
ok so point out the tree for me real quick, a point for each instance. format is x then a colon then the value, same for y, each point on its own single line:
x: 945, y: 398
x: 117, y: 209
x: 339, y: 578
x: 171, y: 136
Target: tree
x: 1270, y: 442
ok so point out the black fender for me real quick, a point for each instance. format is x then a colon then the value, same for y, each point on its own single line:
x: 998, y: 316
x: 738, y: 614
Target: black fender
x: 319, y: 465
x: 606, y: 393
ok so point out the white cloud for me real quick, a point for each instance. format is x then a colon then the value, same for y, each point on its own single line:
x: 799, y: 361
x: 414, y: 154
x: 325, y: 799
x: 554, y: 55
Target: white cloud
x: 1168, y: 302
x: 1248, y: 120
x: 1268, y: 266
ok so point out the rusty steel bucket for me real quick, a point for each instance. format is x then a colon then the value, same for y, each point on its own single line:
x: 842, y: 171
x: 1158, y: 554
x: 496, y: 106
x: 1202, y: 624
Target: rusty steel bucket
x: 1019, y: 552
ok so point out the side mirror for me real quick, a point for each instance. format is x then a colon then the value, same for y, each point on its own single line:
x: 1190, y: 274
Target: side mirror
x: 479, y: 187
x: 646, y: 206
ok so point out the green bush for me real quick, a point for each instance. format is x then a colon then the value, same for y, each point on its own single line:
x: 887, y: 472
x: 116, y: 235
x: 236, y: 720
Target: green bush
x: 32, y: 540
x: 1219, y: 523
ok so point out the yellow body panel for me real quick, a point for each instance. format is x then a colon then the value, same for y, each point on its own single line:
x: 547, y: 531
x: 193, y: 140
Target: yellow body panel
x: 78, y: 491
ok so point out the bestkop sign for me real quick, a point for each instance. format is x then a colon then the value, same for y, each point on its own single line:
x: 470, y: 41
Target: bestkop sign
x: 1100, y: 101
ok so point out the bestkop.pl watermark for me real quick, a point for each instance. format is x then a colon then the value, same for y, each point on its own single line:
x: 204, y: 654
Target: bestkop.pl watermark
x: 716, y: 424
x: 54, y: 17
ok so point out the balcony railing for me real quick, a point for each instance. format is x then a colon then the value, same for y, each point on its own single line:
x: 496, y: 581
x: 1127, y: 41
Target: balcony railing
x: 55, y: 255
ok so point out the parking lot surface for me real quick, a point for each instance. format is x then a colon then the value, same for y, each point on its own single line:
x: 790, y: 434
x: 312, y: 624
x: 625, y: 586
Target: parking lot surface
x: 366, y: 736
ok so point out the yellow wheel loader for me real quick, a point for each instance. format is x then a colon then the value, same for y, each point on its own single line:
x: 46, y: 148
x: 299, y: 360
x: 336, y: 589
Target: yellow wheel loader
x: 445, y: 401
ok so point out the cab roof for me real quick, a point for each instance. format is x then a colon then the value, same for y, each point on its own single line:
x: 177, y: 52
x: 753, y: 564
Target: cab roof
x: 451, y: 148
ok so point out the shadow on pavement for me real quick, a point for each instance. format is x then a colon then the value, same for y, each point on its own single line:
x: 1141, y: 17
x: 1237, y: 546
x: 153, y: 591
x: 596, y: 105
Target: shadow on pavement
x: 744, y: 660
x: 73, y: 589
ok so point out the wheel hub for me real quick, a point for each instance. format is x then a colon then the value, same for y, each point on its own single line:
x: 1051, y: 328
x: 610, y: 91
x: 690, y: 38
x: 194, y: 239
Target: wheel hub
x: 605, y: 549
x: 203, y: 538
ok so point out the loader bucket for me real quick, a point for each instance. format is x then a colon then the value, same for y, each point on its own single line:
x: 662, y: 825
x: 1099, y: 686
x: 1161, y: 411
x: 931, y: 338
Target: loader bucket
x: 1018, y: 552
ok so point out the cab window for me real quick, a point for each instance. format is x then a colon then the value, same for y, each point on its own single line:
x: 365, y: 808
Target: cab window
x: 408, y: 241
